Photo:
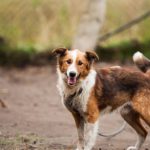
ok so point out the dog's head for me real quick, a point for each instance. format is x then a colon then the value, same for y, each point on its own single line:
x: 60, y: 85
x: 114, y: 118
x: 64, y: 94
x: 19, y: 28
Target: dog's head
x: 74, y: 65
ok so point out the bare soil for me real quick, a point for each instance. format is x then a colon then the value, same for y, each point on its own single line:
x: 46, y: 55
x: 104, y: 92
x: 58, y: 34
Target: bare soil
x: 34, y: 117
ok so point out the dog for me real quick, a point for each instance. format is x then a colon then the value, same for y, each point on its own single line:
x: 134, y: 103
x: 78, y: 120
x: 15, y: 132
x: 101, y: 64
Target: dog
x: 88, y: 93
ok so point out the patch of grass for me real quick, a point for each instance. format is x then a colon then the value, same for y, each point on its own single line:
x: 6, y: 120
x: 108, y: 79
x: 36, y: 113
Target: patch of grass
x: 124, y: 50
x: 28, y: 142
x: 31, y: 142
x: 24, y: 55
x: 144, y: 29
x: 49, y: 23
x: 16, y: 56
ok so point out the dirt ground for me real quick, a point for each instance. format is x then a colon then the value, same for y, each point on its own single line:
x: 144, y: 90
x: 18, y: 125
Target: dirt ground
x: 36, y: 119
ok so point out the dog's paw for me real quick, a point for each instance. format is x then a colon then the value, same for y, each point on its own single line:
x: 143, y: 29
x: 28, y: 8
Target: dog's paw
x: 132, y: 148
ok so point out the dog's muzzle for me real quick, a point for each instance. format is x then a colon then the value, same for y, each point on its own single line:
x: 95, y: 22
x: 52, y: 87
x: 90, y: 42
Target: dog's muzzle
x: 72, y: 78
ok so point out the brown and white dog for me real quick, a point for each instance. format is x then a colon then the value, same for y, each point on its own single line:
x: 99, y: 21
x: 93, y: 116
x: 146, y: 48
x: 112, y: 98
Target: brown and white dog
x: 87, y: 93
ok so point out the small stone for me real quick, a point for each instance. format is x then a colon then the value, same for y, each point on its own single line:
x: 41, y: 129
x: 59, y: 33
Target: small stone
x: 34, y: 142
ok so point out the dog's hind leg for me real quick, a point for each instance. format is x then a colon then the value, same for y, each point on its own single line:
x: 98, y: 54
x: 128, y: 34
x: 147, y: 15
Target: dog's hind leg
x: 141, y: 104
x: 133, y: 119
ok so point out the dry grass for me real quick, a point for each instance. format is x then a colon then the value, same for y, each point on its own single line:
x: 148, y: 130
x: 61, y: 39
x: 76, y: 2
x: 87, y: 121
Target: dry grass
x: 51, y: 23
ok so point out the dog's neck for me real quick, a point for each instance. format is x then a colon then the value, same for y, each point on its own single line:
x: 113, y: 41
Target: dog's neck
x: 76, y: 99
x: 85, y: 84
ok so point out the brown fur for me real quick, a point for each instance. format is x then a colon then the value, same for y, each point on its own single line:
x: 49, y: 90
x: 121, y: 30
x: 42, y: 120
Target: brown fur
x: 62, y: 61
x: 85, y: 67
x: 116, y: 86
x: 133, y: 119
x: 141, y: 103
x: 92, y: 112
x: 77, y: 118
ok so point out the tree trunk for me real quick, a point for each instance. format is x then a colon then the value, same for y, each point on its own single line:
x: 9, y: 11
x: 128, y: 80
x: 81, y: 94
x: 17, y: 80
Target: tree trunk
x: 90, y: 25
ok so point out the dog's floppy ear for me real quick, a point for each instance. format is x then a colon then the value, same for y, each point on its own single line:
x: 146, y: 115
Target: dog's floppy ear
x: 91, y: 56
x: 59, y: 51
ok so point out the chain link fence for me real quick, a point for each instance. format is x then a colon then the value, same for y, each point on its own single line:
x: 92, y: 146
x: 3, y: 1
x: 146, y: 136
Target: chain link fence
x: 53, y: 23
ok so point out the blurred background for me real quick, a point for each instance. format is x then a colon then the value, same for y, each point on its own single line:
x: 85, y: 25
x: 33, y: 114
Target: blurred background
x: 31, y: 114
x: 36, y: 26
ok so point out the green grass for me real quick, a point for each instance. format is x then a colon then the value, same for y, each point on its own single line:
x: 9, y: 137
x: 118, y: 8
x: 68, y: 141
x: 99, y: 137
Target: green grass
x: 28, y: 55
x: 51, y: 23
x: 29, y: 29
x: 123, y: 51
x: 28, y: 142
x: 16, y: 56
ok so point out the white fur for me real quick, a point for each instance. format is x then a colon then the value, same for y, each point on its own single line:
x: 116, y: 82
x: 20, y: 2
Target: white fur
x: 137, y: 56
x: 90, y: 134
x: 86, y: 85
x: 87, y: 135
x: 138, y: 144
x: 72, y: 67
x: 90, y: 130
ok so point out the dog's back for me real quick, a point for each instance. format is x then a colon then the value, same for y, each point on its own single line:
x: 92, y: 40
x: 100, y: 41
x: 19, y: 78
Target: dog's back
x: 115, y: 86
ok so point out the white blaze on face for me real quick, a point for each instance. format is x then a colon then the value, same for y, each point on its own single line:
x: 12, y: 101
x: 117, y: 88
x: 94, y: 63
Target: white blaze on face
x: 72, y: 68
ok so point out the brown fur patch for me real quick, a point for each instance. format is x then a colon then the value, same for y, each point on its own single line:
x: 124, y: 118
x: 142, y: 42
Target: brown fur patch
x: 83, y: 65
x: 63, y: 65
x: 77, y: 119
x: 133, y: 118
x: 116, y: 86
x: 141, y: 103
x: 92, y: 112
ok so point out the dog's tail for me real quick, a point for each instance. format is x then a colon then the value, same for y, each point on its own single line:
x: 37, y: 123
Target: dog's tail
x: 142, y: 62
x: 114, y: 133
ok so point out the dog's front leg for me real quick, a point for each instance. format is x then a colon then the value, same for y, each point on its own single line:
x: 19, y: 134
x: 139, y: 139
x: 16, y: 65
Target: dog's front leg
x: 87, y: 133
x: 80, y: 128
x: 90, y: 133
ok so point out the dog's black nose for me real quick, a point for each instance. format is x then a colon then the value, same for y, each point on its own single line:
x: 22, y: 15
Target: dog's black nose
x: 72, y: 74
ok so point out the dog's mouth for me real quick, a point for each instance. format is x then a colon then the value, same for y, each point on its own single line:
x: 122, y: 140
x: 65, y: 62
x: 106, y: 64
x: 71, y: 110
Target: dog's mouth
x: 72, y: 80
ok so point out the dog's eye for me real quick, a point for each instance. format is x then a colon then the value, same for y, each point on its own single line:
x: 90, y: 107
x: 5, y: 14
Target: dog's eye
x: 80, y: 63
x: 68, y: 61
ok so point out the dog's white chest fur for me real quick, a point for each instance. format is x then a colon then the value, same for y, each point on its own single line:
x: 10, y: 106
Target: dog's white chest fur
x: 77, y: 101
